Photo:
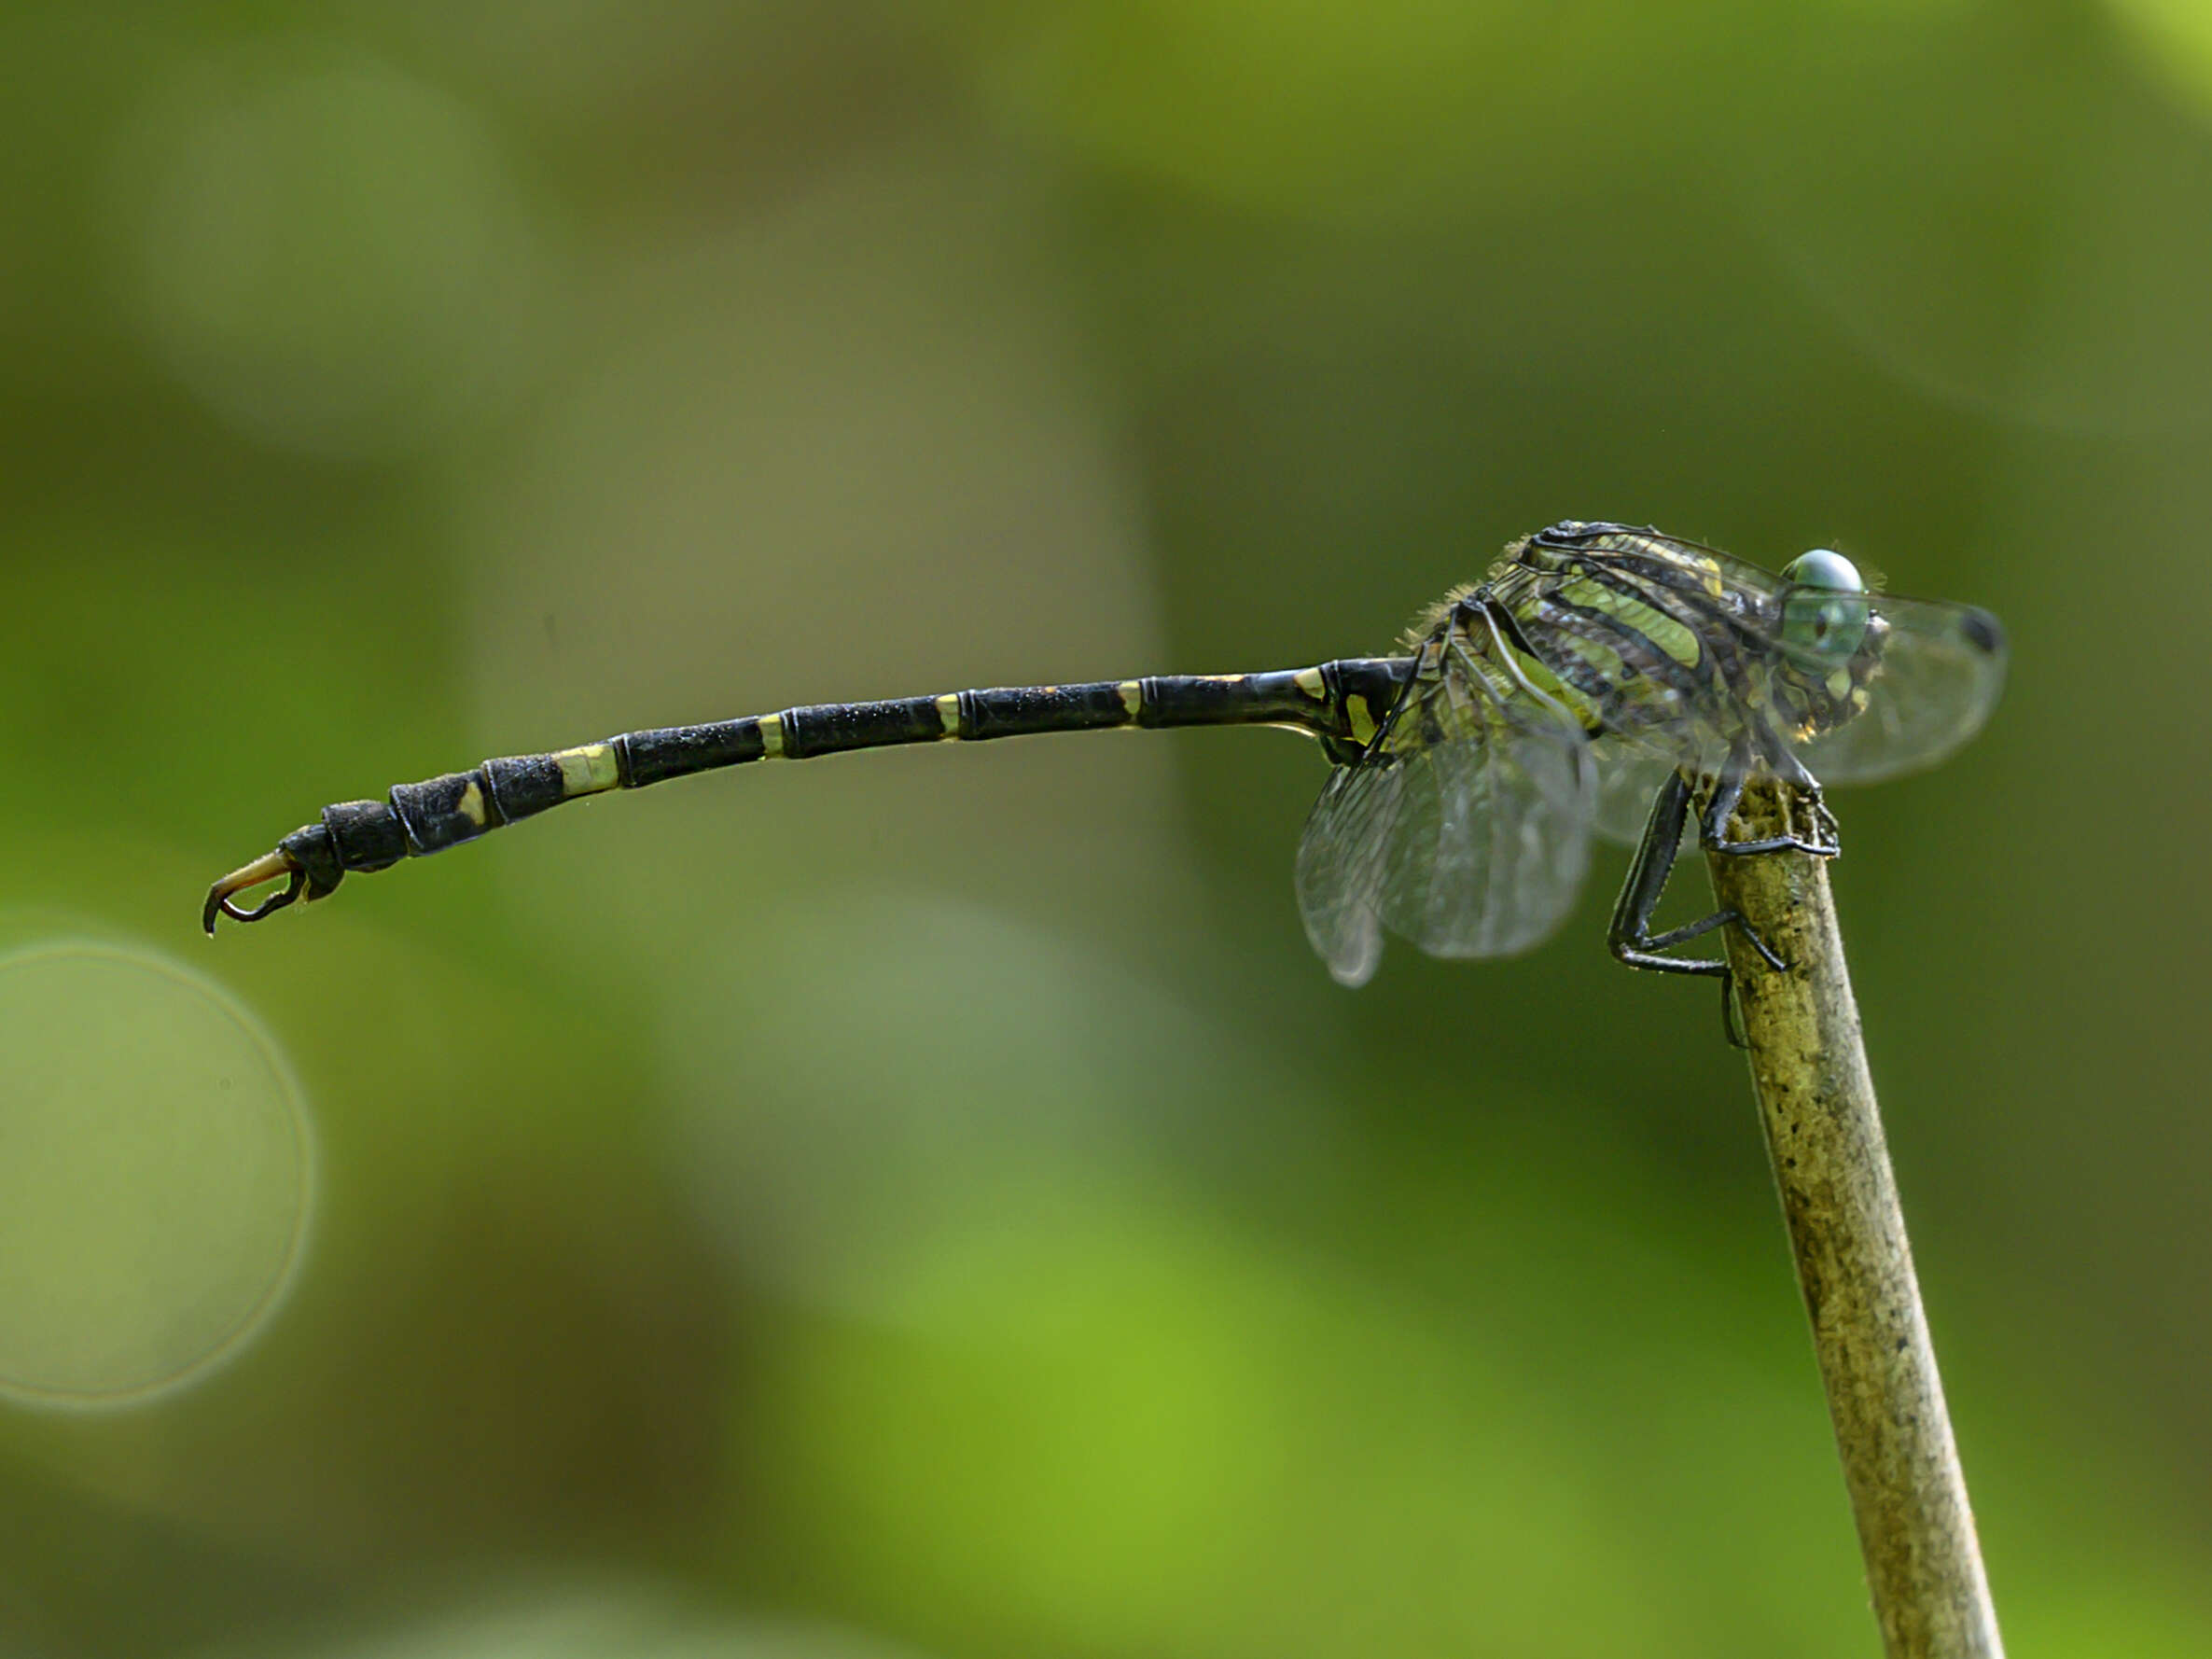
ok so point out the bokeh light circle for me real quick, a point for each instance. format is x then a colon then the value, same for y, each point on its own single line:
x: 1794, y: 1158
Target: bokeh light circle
x: 157, y: 1176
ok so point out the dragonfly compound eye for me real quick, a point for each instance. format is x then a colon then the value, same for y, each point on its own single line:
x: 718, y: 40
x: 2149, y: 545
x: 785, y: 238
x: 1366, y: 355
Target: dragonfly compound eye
x: 1825, y: 614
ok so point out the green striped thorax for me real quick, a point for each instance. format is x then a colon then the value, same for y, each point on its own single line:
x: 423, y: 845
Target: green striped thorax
x: 1636, y: 633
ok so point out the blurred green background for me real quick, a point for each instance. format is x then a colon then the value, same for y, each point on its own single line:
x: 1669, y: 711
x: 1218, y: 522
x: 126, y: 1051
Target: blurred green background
x: 934, y: 1204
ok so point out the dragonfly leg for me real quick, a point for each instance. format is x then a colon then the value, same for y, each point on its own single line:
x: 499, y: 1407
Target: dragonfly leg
x: 1728, y: 789
x: 1732, y: 1016
x: 1790, y: 770
x: 1629, y: 937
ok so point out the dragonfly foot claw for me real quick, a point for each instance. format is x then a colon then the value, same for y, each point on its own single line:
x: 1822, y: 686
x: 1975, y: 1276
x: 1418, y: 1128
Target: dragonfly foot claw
x: 1732, y: 1014
x: 1751, y: 937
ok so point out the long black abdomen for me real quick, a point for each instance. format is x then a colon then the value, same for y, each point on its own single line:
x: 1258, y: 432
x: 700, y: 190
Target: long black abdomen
x: 1341, y: 702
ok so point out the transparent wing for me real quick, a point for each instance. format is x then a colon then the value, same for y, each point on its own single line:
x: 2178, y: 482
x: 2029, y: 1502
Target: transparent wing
x: 1629, y: 773
x: 1341, y: 859
x: 1465, y: 828
x: 1491, y: 844
x: 1941, y: 670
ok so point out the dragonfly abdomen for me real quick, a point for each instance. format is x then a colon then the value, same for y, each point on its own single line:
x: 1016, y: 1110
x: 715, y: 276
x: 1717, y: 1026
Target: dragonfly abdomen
x: 1341, y: 702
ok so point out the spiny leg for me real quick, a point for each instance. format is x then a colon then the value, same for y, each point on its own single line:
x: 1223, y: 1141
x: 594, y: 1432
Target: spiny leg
x: 1630, y: 935
x: 1732, y: 1016
x: 1728, y: 789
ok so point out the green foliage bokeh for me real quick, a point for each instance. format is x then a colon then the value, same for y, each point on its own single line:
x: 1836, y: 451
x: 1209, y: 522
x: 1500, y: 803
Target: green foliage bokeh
x: 933, y: 1203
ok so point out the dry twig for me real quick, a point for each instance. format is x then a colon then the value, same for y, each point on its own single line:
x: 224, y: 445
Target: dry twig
x: 1847, y: 1234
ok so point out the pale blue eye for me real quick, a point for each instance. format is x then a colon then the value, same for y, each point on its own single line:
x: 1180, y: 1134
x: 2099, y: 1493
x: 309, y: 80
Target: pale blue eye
x: 1824, y: 614
x: 1824, y: 567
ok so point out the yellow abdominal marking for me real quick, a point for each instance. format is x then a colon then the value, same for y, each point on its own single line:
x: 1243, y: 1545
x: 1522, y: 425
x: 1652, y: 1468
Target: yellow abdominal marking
x: 471, y: 805
x: 586, y: 771
x: 1365, y: 723
x: 1309, y: 681
x: 1133, y: 697
x: 947, y: 712
x: 772, y: 738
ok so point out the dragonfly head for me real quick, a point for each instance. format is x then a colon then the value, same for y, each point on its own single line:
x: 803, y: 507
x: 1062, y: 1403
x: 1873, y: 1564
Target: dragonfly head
x: 1832, y: 640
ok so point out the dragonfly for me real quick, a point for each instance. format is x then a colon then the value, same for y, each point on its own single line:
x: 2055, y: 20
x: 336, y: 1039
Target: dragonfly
x: 1602, y: 680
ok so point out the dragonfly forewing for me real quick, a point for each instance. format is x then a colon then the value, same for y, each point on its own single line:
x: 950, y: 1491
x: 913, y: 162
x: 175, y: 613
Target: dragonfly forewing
x: 1937, y: 680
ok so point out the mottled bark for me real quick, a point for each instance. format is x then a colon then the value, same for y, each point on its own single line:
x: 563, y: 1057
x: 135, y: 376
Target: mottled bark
x: 1847, y: 1234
